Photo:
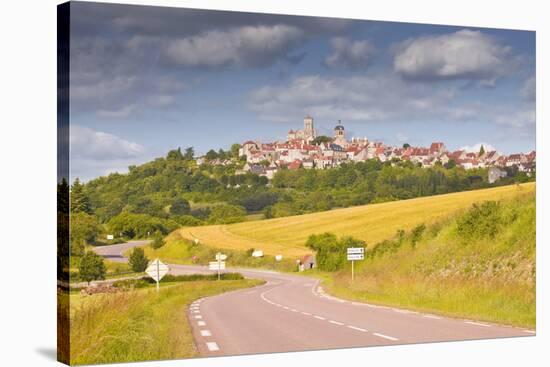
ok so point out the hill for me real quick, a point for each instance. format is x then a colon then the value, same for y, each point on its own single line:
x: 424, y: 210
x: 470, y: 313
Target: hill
x: 479, y: 264
x: 371, y: 223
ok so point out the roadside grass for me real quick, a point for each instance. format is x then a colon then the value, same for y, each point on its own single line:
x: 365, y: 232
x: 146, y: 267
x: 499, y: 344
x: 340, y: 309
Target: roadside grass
x: 371, y: 223
x: 179, y: 250
x: 141, y: 324
x: 491, y: 279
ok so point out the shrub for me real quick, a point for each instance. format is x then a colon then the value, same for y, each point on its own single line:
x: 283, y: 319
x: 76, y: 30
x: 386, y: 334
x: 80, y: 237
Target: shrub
x: 481, y: 221
x: 180, y: 207
x: 331, y: 252
x: 416, y: 234
x: 158, y: 241
x: 91, y: 267
x: 138, y: 261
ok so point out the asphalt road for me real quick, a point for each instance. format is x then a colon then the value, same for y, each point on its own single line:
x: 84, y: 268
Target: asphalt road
x: 293, y: 313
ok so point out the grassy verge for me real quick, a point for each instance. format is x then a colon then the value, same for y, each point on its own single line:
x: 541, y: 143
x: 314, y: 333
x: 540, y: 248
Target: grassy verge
x: 141, y: 324
x: 455, y: 268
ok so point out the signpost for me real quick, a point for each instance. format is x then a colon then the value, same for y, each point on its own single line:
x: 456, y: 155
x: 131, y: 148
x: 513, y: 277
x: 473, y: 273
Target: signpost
x: 355, y: 253
x: 157, y: 270
x: 218, y: 264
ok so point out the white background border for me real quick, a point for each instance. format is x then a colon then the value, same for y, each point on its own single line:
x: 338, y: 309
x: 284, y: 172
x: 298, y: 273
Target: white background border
x: 28, y: 177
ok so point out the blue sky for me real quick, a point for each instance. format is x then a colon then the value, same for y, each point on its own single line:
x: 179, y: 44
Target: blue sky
x: 148, y: 79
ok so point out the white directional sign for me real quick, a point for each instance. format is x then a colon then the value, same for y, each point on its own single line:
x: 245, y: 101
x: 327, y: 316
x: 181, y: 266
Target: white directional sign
x: 221, y: 256
x: 356, y: 256
x: 157, y: 269
x: 216, y: 265
x: 356, y: 250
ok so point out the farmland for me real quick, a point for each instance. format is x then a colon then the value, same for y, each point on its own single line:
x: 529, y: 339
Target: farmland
x: 371, y: 223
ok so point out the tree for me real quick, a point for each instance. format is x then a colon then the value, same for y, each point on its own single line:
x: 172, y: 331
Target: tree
x: 406, y: 146
x: 450, y: 164
x: 158, y: 241
x: 91, y: 267
x: 180, y: 206
x: 189, y: 154
x: 79, y: 200
x: 223, y: 214
x: 138, y: 261
x: 175, y: 155
x: 84, y: 230
x: 211, y: 155
x: 481, y: 151
x: 322, y: 139
x: 235, y: 150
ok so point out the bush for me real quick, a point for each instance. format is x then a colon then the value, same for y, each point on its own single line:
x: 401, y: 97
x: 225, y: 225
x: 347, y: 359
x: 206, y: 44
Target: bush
x: 180, y: 207
x: 416, y: 234
x: 91, y: 267
x: 481, y: 221
x: 138, y: 261
x: 224, y: 214
x: 331, y: 252
x: 158, y: 241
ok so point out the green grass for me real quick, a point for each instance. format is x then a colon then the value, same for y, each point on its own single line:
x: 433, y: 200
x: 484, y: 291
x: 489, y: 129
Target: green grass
x: 371, y: 223
x: 141, y: 324
x: 490, y: 279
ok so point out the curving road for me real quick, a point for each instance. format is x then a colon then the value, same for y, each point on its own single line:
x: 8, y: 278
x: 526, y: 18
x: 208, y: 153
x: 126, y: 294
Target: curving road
x: 293, y: 313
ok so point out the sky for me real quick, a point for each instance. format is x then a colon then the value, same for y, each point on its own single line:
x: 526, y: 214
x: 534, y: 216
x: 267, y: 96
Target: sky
x: 144, y: 80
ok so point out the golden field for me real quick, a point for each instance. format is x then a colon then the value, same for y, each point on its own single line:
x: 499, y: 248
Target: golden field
x: 371, y: 223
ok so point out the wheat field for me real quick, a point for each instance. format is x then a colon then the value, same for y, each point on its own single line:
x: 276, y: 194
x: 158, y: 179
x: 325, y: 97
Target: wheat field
x: 371, y: 223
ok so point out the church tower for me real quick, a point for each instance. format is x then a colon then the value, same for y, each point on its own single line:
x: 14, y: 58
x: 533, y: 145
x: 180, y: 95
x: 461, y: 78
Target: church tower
x: 309, y: 130
x: 340, y: 135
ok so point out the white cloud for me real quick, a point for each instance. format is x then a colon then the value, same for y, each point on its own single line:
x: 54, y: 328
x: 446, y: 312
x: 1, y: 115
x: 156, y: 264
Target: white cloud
x: 476, y: 147
x: 349, y: 54
x: 464, y: 54
x: 244, y: 46
x: 89, y: 144
x: 122, y: 112
x: 379, y: 97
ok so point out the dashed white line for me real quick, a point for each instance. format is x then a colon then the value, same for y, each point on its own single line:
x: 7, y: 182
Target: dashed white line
x: 212, y: 346
x: 476, y: 323
x: 357, y: 328
x: 196, y: 311
x: 306, y: 313
x: 385, y: 336
x: 293, y: 310
x: 201, y: 323
x: 286, y: 307
x: 198, y: 316
x: 206, y: 333
x: 336, y: 322
x: 319, y: 317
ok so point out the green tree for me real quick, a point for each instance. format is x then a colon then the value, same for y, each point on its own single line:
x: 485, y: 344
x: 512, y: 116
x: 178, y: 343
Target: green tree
x: 138, y: 261
x: 235, y: 150
x: 91, y: 267
x: 211, y: 154
x: 158, y: 241
x: 222, y: 214
x: 180, y: 206
x: 79, y: 199
x: 189, y: 154
x: 321, y: 139
x: 481, y: 151
x: 175, y: 155
x: 84, y: 230
x: 406, y: 146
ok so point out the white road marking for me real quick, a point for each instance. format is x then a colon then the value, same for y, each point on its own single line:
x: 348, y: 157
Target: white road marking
x: 201, y: 323
x: 196, y: 311
x: 359, y: 304
x: 385, y: 336
x: 432, y: 317
x: 286, y: 307
x: 477, y: 323
x: 319, y: 317
x: 294, y: 310
x: 530, y: 331
x: 306, y: 313
x: 206, y: 333
x: 335, y: 322
x: 212, y: 346
x: 357, y: 328
x: 198, y: 316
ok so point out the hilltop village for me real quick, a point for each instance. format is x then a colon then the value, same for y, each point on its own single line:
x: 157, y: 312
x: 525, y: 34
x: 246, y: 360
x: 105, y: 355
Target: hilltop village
x: 306, y: 149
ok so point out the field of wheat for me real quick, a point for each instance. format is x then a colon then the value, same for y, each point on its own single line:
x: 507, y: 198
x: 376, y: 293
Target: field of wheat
x: 371, y: 223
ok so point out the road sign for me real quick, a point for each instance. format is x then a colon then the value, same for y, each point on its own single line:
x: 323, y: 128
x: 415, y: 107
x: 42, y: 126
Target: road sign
x: 110, y: 237
x: 356, y: 250
x: 221, y: 256
x: 156, y: 270
x: 356, y: 256
x: 278, y: 257
x: 216, y: 265
x: 257, y: 253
